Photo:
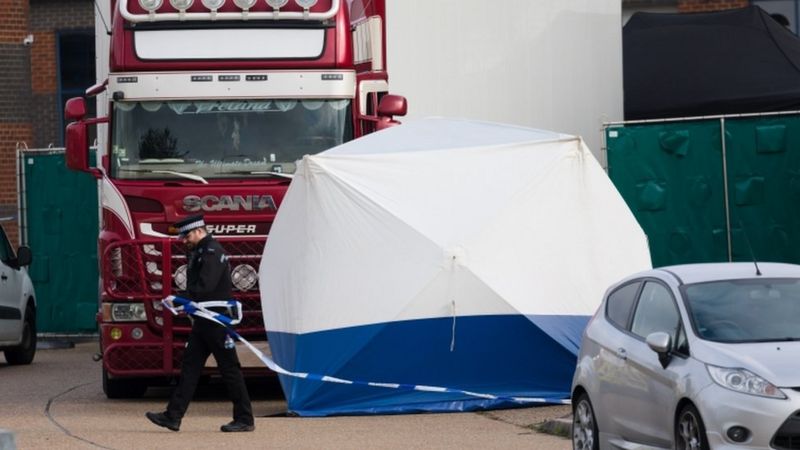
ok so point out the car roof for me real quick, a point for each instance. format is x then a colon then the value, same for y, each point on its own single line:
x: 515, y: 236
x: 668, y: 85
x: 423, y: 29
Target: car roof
x: 703, y: 272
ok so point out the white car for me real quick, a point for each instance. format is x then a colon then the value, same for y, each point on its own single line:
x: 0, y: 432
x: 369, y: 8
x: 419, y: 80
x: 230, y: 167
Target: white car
x: 17, y: 304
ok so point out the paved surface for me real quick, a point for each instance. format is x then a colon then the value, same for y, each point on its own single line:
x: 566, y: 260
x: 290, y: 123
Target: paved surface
x: 58, y: 402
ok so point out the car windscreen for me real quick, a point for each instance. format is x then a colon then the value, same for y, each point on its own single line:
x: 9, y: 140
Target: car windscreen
x: 223, y: 139
x: 751, y: 310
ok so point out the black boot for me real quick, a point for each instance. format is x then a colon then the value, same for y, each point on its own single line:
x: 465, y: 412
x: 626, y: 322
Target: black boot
x: 235, y: 426
x: 163, y: 420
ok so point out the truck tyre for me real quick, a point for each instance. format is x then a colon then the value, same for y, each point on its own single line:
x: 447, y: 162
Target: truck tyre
x: 25, y: 351
x: 122, y: 388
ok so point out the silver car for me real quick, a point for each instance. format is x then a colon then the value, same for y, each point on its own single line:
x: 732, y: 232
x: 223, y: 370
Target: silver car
x: 693, y: 357
x: 17, y: 304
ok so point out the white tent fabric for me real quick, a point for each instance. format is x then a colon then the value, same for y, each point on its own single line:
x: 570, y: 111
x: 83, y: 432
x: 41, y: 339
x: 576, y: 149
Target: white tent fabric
x: 439, y: 220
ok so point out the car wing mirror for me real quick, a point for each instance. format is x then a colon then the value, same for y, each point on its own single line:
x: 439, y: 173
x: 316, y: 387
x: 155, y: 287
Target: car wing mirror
x: 24, y: 256
x: 660, y: 343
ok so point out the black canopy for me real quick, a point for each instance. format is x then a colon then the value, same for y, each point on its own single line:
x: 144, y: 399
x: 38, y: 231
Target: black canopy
x: 726, y: 62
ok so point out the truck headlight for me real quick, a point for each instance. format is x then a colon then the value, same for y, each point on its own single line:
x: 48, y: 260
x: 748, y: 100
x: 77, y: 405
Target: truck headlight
x: 179, y: 277
x: 128, y: 312
x: 244, y: 277
x: 744, y: 381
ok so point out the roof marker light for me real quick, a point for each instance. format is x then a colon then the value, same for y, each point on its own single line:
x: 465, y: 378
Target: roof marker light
x: 181, y: 6
x: 213, y: 5
x: 276, y: 6
x: 306, y: 5
x: 150, y: 5
x: 245, y: 6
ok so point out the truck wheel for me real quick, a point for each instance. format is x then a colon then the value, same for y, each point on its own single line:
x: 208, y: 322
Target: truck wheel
x: 122, y: 387
x: 25, y: 351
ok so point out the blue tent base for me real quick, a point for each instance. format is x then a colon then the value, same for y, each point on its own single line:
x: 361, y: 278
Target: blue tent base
x: 502, y: 355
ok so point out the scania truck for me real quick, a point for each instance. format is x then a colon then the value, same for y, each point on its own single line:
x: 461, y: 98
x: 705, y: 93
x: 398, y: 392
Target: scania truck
x: 204, y: 106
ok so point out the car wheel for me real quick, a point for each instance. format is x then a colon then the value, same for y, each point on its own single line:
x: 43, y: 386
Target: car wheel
x: 25, y: 351
x: 690, y: 432
x: 122, y: 387
x: 584, y: 425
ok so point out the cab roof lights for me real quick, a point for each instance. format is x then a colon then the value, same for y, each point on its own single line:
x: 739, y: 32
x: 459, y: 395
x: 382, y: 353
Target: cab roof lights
x: 180, y: 5
x: 277, y: 4
x: 244, y: 5
x: 151, y: 6
x: 213, y: 5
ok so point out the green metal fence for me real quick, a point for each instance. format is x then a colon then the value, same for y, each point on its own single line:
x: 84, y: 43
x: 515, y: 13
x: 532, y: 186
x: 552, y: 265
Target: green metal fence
x: 60, y: 224
x: 702, y: 198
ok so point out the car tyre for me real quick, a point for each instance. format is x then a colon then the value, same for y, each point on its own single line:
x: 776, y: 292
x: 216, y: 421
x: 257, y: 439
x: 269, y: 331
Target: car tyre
x: 690, y: 432
x: 584, y: 425
x: 26, y: 350
x: 122, y: 388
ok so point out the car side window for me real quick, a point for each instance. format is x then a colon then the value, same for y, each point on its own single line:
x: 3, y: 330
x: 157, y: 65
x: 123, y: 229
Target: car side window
x: 620, y: 303
x: 656, y: 311
x: 681, y: 343
x: 5, y: 248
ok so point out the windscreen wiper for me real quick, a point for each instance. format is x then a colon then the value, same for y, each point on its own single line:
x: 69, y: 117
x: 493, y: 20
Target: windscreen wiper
x: 260, y: 172
x: 274, y: 174
x: 168, y: 172
x: 184, y: 175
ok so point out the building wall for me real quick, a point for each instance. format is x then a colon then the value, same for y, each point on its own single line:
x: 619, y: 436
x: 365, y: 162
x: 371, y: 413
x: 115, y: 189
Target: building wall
x: 15, y: 93
x: 29, y: 102
x: 49, y: 18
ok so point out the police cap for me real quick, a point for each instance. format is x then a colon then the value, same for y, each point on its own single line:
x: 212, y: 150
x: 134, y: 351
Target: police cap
x: 188, y: 224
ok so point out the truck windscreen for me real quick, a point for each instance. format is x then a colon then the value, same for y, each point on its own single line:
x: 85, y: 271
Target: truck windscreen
x: 223, y: 138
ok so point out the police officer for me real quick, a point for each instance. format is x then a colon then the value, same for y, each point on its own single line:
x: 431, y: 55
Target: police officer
x: 208, y: 278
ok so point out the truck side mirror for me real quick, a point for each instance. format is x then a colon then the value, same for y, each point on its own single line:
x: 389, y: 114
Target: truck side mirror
x: 77, y: 139
x: 392, y: 105
x: 77, y: 154
x: 75, y: 109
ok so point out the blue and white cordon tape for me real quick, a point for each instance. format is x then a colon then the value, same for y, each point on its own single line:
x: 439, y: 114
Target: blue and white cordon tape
x: 179, y: 304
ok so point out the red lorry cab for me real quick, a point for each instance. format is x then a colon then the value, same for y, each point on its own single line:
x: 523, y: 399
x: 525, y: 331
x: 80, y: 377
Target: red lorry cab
x: 210, y: 104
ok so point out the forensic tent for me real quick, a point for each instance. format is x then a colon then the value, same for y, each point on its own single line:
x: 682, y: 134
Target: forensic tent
x: 724, y: 62
x: 441, y: 254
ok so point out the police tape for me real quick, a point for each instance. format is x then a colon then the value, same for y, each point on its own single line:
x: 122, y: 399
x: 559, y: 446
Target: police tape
x: 176, y: 305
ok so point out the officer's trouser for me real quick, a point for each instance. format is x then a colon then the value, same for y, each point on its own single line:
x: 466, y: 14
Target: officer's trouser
x: 208, y: 338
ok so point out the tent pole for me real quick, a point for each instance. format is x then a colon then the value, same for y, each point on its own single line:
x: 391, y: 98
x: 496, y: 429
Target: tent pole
x: 725, y: 187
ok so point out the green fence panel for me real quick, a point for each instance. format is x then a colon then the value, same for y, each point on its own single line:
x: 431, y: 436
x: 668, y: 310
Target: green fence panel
x: 62, y: 228
x: 670, y: 175
x: 763, y: 156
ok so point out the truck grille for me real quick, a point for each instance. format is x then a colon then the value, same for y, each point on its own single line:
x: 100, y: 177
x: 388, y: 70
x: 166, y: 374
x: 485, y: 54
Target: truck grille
x: 149, y: 270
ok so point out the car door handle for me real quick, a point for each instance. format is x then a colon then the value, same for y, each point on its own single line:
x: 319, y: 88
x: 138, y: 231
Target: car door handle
x: 3, y: 277
x: 622, y: 354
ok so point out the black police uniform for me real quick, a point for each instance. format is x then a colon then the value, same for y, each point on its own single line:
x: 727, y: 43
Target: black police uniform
x: 209, y: 278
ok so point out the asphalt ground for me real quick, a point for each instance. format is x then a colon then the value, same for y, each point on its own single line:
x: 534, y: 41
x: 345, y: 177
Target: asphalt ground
x: 58, y: 402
